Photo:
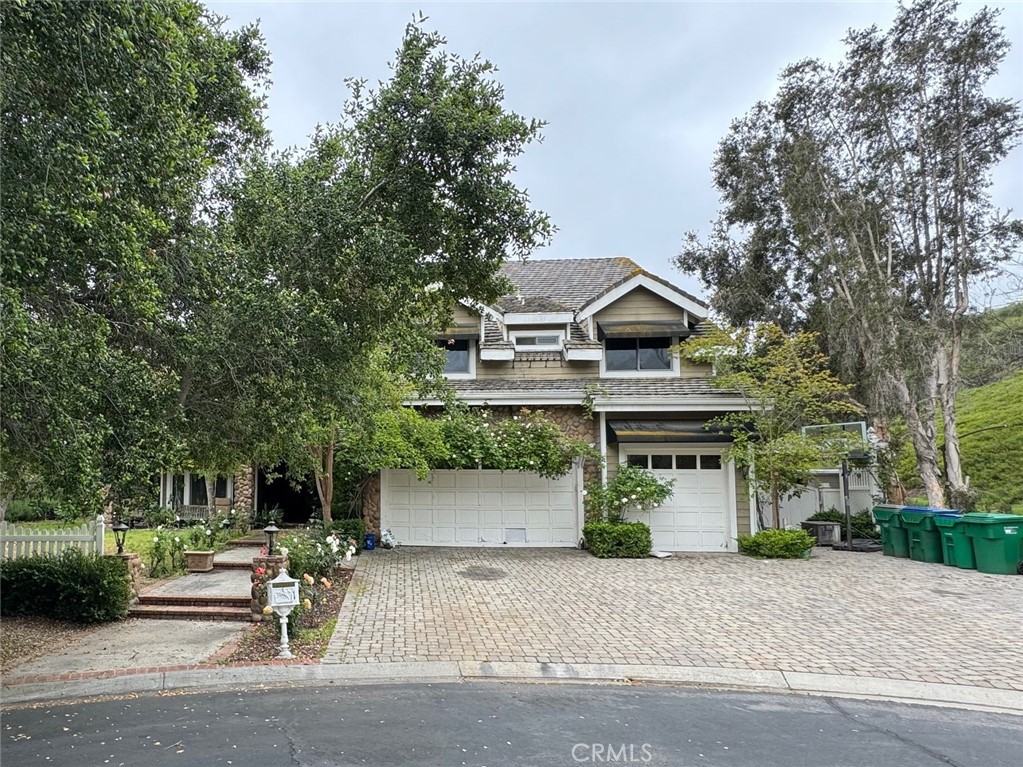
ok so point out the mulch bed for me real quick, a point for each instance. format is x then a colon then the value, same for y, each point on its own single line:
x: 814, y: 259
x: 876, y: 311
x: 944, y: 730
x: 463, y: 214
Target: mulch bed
x: 263, y: 641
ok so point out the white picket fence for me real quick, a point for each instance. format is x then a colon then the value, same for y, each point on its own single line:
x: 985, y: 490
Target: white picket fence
x: 24, y: 541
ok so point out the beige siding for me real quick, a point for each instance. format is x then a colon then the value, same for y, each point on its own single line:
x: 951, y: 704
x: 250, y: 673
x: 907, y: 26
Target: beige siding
x: 539, y: 370
x: 640, y: 305
x: 461, y: 315
x: 742, y: 509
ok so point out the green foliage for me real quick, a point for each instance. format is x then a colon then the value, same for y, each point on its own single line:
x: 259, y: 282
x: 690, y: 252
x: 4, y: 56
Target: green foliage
x: 115, y: 118
x: 203, y: 536
x: 72, y: 587
x: 351, y: 530
x: 312, y: 553
x: 777, y: 544
x: 158, y: 517
x: 633, y: 489
x: 617, y: 540
x: 992, y: 345
x: 786, y: 383
x: 32, y: 510
x: 863, y: 525
x: 991, y: 438
x: 857, y: 200
x: 525, y: 441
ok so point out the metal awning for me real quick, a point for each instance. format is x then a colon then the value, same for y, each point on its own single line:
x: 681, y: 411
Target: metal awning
x: 666, y: 431
x: 460, y: 332
x: 647, y: 329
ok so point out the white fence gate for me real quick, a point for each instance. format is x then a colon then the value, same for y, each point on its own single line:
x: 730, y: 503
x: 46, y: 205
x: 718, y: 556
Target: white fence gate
x: 826, y: 493
x: 24, y: 541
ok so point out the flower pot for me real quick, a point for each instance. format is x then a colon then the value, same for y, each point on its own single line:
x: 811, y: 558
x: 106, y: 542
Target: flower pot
x: 199, y: 561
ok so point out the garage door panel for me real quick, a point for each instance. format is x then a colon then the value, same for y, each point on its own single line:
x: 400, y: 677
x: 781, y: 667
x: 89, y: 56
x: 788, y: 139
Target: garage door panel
x: 480, y: 507
x: 695, y: 517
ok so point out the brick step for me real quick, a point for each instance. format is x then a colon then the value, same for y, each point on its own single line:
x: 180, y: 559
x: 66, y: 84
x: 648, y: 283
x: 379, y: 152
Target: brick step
x: 256, y: 542
x: 231, y: 565
x: 193, y: 600
x: 191, y: 612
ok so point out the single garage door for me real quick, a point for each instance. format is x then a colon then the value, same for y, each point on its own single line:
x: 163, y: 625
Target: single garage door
x: 696, y: 516
x: 480, y: 508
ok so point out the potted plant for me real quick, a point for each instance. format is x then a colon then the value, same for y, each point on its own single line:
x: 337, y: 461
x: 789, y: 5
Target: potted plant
x: 199, y: 555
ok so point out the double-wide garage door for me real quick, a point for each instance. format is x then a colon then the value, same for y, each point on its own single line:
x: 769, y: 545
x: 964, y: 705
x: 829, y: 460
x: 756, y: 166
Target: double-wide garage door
x: 480, y: 508
x: 696, y: 517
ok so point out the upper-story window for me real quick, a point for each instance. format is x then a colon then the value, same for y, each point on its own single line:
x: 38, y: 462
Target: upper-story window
x: 627, y: 354
x: 457, y: 359
x: 537, y: 341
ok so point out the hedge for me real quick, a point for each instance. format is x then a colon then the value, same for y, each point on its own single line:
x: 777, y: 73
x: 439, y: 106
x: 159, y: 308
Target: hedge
x: 72, y: 587
x: 777, y: 544
x: 618, y: 540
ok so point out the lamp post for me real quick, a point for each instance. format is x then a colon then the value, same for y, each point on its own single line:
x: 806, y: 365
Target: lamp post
x: 120, y: 533
x: 270, y: 531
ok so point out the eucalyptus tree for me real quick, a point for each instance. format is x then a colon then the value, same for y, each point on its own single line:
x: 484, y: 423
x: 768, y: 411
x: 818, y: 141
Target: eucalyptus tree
x: 859, y: 198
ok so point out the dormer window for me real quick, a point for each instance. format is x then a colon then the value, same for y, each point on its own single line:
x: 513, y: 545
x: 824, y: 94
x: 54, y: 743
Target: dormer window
x: 458, y: 359
x: 632, y: 354
x: 538, y: 341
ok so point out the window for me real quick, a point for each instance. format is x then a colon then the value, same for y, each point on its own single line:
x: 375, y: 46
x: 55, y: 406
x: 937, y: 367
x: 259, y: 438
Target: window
x: 199, y: 496
x: 660, y: 462
x: 457, y: 356
x: 637, y: 460
x: 637, y: 353
x: 685, y: 461
x: 710, y: 461
x: 541, y: 341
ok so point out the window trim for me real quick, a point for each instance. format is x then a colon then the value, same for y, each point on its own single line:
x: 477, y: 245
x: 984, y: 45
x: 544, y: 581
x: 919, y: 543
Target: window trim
x: 671, y: 372
x: 167, y: 488
x: 535, y: 334
x: 466, y: 374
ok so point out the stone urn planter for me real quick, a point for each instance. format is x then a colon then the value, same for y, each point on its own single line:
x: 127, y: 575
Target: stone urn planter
x: 199, y: 561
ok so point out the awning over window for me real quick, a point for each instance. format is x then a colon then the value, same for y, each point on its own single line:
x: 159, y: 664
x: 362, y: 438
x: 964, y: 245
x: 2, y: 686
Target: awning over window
x: 461, y: 332
x: 666, y: 431
x: 647, y: 329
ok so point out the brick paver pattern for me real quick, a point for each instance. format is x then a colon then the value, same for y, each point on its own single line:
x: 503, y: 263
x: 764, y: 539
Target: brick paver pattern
x: 837, y: 613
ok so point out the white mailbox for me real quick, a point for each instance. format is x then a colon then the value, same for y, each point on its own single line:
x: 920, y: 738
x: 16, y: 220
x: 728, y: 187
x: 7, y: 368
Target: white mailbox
x: 282, y: 593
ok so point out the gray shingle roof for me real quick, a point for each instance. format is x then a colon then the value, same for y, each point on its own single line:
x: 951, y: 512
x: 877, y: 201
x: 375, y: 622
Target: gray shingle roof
x: 600, y: 387
x: 546, y: 285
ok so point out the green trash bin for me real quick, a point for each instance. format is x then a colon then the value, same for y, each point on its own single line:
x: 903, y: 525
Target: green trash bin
x: 956, y: 545
x: 894, y: 542
x: 997, y: 542
x: 923, y: 535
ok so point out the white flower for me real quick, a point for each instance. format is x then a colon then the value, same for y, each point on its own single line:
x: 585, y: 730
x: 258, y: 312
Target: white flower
x: 633, y: 497
x: 348, y: 555
x: 209, y: 532
x: 176, y: 539
x: 284, y: 550
x: 156, y: 539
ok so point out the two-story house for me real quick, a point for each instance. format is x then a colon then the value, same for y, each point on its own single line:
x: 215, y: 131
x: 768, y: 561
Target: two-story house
x: 589, y: 341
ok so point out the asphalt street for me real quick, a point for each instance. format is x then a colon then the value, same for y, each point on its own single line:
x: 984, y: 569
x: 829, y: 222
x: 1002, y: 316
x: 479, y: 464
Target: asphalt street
x: 503, y: 724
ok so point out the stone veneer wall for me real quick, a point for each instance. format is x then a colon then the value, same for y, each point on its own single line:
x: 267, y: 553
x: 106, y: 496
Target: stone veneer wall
x: 572, y: 420
x: 244, y: 488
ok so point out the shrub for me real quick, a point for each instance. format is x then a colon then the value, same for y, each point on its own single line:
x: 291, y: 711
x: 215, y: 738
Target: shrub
x: 777, y: 544
x: 632, y: 489
x: 72, y: 587
x: 618, y: 540
x: 862, y: 523
x: 354, y: 529
x: 34, y: 510
x: 314, y: 553
x: 157, y: 517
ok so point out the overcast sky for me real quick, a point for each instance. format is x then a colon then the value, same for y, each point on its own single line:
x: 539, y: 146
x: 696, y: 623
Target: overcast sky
x: 636, y: 95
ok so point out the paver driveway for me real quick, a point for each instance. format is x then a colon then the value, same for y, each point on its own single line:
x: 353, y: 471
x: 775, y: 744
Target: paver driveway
x: 860, y: 614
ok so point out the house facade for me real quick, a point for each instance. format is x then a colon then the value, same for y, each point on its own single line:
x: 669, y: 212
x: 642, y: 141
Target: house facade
x: 589, y: 342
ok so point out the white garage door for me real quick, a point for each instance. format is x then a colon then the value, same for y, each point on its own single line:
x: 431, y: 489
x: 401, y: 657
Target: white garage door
x: 696, y: 516
x: 480, y: 508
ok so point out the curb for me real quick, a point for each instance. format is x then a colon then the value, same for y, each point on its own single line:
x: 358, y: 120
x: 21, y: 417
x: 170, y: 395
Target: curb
x: 205, y: 677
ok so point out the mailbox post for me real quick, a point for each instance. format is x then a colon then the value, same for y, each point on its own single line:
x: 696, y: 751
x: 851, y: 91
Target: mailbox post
x: 282, y: 597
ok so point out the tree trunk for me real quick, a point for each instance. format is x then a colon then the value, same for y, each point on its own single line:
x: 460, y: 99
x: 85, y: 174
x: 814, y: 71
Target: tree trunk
x: 894, y: 491
x: 5, y: 501
x: 922, y: 434
x: 948, y: 386
x: 211, y: 489
x: 775, y: 506
x: 324, y: 475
